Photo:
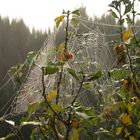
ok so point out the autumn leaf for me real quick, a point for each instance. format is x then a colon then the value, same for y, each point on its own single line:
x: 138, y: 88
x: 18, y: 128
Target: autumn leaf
x: 75, y: 123
x: 126, y: 132
x: 61, y: 51
x: 125, y: 119
x: 52, y: 95
x: 58, y: 20
x: 119, y: 130
x: 68, y: 56
x: 132, y: 138
x: 75, y: 134
x: 127, y: 35
x: 139, y: 124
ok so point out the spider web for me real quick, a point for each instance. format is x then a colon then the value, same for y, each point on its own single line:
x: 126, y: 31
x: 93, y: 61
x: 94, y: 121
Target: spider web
x: 92, y: 53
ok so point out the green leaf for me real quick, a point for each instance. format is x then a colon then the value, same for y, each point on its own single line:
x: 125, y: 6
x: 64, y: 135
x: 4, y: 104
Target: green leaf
x: 125, y: 1
x: 76, y: 12
x: 75, y: 21
x: 89, y: 111
x: 57, y: 108
x: 59, y: 63
x: 128, y: 9
x: 113, y: 14
x: 87, y: 85
x: 33, y: 107
x: 73, y: 73
x: 118, y: 74
x: 58, y: 20
x: 13, y: 69
x: 111, y: 5
x: 128, y: 19
x: 122, y: 22
x: 50, y: 69
x: 95, y: 76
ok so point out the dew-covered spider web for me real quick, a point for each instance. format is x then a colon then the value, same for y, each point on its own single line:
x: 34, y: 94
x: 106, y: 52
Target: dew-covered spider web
x: 91, y: 53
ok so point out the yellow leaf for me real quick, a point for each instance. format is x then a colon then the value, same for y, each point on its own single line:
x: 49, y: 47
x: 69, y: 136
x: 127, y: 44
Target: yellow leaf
x: 119, y: 130
x: 139, y: 124
x: 61, y: 52
x: 126, y: 132
x: 132, y: 138
x: 52, y: 95
x: 58, y: 20
x: 125, y: 119
x: 75, y: 134
x: 127, y: 35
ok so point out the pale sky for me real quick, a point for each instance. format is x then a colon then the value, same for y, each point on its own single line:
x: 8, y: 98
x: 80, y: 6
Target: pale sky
x: 41, y: 13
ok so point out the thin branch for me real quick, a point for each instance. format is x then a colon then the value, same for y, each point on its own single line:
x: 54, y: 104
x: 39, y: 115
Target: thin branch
x: 78, y: 92
x: 68, y: 127
x: 45, y: 98
x: 58, y: 85
x: 132, y: 71
x: 66, y: 43
x: 54, y: 128
x: 41, y: 128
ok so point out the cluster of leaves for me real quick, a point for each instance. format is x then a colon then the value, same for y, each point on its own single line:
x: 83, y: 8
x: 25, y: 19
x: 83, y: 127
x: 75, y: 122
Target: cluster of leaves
x: 124, y: 110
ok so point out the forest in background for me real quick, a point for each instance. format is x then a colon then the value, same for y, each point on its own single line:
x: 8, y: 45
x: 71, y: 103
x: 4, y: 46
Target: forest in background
x: 16, y: 40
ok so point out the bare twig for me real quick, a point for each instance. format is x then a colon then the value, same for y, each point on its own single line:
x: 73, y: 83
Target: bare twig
x: 132, y: 71
x: 78, y: 92
x: 45, y: 98
x: 66, y: 43
x: 58, y: 85
x: 68, y: 126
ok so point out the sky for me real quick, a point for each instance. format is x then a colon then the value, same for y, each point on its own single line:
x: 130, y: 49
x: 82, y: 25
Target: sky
x: 40, y: 14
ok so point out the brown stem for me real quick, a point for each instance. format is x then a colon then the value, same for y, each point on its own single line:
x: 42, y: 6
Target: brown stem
x: 66, y: 43
x: 78, y: 92
x: 45, y: 98
x: 132, y: 71
x: 68, y: 126
x: 45, y: 137
x: 58, y: 85
x: 54, y: 128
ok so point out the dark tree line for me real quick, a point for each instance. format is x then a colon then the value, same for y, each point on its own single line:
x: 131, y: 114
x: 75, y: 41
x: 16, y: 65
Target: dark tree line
x: 16, y: 40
